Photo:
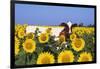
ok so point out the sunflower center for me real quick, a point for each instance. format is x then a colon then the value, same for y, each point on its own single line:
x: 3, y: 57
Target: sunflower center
x: 22, y: 33
x: 45, y: 60
x: 62, y: 38
x: 78, y: 43
x: 66, y: 59
x: 43, y: 37
x: 73, y: 37
x: 30, y: 36
x: 29, y: 45
x: 85, y: 58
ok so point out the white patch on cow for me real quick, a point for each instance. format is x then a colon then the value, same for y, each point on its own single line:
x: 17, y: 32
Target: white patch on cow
x: 69, y: 25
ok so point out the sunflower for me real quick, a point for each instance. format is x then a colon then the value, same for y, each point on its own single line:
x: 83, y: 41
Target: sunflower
x: 21, y: 33
x: 15, y: 32
x: 17, y: 50
x: 85, y: 56
x: 48, y: 30
x: 29, y: 45
x: 78, y: 44
x: 43, y: 38
x: 17, y: 27
x: 17, y: 42
x: 72, y: 36
x: 25, y: 25
x: 79, y: 33
x: 30, y: 35
x: 45, y: 58
x: 66, y: 57
x: 62, y: 38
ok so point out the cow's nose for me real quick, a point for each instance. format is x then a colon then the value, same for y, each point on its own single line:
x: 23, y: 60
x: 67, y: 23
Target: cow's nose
x: 70, y: 31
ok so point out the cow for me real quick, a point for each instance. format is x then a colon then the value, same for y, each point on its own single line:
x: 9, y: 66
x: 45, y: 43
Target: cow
x: 67, y: 29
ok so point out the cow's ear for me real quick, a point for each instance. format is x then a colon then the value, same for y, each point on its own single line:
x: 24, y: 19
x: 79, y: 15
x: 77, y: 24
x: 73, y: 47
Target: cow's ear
x: 63, y: 24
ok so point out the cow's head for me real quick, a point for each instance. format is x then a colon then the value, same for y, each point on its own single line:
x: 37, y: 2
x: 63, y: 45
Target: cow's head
x: 68, y: 29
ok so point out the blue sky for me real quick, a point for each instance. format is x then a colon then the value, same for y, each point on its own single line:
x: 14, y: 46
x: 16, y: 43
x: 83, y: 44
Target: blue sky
x: 52, y: 15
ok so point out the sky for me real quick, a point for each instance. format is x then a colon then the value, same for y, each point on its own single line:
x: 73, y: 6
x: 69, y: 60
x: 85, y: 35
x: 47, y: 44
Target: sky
x: 52, y: 15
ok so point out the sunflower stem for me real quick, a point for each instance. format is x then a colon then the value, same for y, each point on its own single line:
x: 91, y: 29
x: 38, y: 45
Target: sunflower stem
x: 27, y: 58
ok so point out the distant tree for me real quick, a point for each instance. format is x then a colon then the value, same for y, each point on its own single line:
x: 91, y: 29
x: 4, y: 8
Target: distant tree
x: 74, y: 25
x: 81, y: 24
x: 91, y: 25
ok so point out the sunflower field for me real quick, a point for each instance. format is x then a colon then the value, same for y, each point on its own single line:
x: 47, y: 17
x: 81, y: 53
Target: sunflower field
x: 45, y: 48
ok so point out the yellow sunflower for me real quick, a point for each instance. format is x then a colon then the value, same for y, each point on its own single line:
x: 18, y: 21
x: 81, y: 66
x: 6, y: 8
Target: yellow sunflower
x: 43, y: 38
x: 78, y: 44
x: 15, y: 32
x: 17, y: 50
x: 29, y: 45
x: 79, y: 33
x: 17, y: 27
x: 72, y: 36
x: 85, y: 56
x: 48, y: 30
x: 66, y: 56
x: 30, y: 35
x: 17, y: 43
x: 21, y: 33
x: 25, y: 25
x: 62, y: 38
x: 45, y: 58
